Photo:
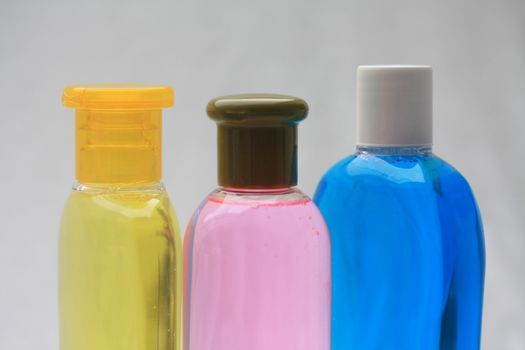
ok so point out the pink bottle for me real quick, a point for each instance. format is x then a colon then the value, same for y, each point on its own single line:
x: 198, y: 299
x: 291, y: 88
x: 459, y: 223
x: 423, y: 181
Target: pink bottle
x: 257, y: 251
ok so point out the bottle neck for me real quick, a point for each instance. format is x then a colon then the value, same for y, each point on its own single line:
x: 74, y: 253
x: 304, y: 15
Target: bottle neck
x: 258, y: 191
x: 104, y: 187
x: 394, y: 150
x: 118, y: 147
x: 257, y: 197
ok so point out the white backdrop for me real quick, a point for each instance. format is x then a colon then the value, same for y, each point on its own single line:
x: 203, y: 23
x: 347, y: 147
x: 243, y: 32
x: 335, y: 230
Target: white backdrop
x: 208, y: 48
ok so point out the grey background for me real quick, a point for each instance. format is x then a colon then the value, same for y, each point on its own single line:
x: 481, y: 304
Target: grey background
x: 209, y: 48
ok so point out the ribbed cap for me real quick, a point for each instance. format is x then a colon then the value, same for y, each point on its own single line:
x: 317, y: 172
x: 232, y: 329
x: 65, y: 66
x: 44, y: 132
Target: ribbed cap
x: 394, y: 105
x: 257, y: 139
x: 118, y: 132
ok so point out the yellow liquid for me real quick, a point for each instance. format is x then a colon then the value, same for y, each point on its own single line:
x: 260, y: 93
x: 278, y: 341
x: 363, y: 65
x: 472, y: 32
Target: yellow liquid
x: 120, y: 271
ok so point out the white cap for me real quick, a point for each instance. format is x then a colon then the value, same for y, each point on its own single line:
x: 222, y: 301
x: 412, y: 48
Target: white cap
x: 394, y: 105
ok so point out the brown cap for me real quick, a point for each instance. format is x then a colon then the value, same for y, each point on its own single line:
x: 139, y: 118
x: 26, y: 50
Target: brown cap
x: 257, y: 139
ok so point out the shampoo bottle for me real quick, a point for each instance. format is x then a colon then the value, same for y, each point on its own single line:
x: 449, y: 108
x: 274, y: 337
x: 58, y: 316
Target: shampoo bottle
x: 257, y: 252
x: 407, y: 241
x: 120, y: 251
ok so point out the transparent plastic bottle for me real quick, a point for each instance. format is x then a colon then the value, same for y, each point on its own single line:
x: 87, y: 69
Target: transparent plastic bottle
x: 120, y: 257
x: 257, y: 252
x: 407, y: 240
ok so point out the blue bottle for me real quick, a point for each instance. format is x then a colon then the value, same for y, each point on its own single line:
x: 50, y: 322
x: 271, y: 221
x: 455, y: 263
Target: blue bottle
x: 408, y: 252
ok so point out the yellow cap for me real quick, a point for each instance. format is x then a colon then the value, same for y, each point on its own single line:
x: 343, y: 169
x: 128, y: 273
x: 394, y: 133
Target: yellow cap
x: 118, y: 132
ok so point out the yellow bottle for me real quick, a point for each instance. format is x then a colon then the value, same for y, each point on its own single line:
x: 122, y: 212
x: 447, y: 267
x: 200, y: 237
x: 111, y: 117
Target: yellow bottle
x: 120, y: 278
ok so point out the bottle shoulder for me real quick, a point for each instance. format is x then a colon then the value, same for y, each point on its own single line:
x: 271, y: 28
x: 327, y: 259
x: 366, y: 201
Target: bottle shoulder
x: 392, y: 167
x: 141, y: 201
x: 116, y: 214
x: 230, y: 213
x: 222, y: 202
x: 363, y: 174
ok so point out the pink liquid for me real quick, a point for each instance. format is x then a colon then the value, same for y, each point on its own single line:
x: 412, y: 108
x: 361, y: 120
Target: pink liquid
x: 257, y: 274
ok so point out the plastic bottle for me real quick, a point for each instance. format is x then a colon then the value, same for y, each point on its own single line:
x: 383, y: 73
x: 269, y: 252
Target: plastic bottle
x: 257, y: 252
x: 120, y: 251
x: 407, y: 240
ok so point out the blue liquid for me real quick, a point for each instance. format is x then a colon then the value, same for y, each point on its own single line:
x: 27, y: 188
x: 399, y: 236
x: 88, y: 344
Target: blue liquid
x: 408, y: 253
